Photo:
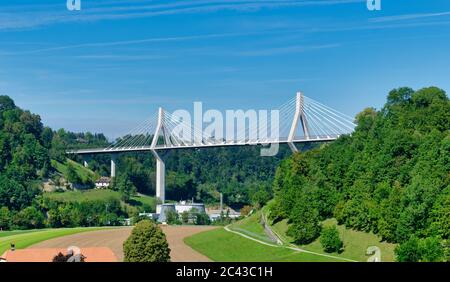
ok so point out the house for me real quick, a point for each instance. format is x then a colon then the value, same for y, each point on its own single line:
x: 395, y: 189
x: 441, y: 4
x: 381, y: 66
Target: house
x: 103, y: 183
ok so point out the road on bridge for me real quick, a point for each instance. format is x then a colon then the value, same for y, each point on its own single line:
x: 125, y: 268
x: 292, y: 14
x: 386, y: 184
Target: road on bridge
x: 114, y: 238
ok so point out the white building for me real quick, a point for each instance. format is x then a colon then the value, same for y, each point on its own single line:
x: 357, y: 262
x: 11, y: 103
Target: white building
x: 103, y: 183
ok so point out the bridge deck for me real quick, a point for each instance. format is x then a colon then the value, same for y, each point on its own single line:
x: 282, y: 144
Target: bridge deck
x: 224, y: 144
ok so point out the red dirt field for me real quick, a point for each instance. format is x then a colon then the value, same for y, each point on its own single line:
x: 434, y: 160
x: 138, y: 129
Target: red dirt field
x: 114, y: 238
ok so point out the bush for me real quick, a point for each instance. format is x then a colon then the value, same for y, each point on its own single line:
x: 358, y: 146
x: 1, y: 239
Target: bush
x: 420, y: 250
x: 305, y: 222
x: 202, y: 218
x: 246, y: 210
x: 330, y: 240
x: 172, y: 218
x: 147, y: 243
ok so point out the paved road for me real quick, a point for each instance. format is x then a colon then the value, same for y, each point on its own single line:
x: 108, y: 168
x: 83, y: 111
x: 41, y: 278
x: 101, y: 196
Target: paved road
x: 114, y: 238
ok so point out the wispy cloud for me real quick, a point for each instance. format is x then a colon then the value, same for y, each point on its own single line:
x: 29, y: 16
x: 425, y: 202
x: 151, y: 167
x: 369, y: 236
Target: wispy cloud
x: 121, y: 57
x: 12, y: 19
x: 409, y: 17
x: 285, y: 50
x: 129, y: 42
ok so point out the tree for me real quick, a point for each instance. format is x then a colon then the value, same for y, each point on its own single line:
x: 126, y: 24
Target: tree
x: 147, y: 243
x: 6, y: 103
x: 425, y: 249
x: 72, y: 175
x: 4, y: 218
x: 202, y: 218
x: 408, y: 251
x: 431, y: 250
x: 305, y: 221
x: 14, y: 195
x: 172, y: 217
x: 330, y: 240
x: 29, y: 218
x: 125, y: 186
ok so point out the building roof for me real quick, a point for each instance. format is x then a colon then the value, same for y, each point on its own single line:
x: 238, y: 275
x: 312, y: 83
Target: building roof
x: 95, y: 254
x: 104, y: 179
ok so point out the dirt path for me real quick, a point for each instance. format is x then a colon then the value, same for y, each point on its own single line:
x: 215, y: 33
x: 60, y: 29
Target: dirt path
x: 114, y: 238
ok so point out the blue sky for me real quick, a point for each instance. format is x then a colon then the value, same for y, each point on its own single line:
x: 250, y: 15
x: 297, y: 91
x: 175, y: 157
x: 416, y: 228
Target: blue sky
x: 109, y: 66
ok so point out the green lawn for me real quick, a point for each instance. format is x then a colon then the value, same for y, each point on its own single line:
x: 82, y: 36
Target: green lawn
x: 23, y: 239
x: 16, y: 232
x: 223, y: 246
x: 83, y: 172
x: 355, y: 242
x: 144, y: 200
x: 251, y: 226
x: 83, y: 196
x: 140, y: 200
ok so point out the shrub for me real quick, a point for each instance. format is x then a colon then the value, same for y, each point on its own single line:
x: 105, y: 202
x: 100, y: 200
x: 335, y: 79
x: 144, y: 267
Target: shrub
x: 330, y: 240
x: 416, y: 250
x: 246, y: 210
x: 202, y: 218
x: 147, y: 243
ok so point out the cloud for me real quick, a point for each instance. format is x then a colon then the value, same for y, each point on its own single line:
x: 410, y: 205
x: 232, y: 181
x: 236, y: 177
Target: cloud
x: 129, y: 42
x: 408, y: 17
x: 12, y: 19
x: 121, y: 57
x: 285, y: 50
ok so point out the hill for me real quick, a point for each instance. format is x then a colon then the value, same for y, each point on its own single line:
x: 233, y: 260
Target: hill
x: 390, y: 177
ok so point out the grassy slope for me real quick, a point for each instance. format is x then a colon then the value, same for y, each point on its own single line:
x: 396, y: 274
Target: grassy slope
x: 83, y: 172
x: 251, y: 226
x: 83, y: 196
x: 101, y: 194
x: 23, y: 239
x: 355, y: 242
x: 221, y: 245
x: 212, y: 243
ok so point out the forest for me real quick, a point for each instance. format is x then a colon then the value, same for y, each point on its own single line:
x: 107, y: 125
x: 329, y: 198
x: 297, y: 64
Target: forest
x: 390, y: 177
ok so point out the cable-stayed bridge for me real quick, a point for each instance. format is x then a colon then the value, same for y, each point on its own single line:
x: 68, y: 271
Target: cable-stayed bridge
x: 299, y: 120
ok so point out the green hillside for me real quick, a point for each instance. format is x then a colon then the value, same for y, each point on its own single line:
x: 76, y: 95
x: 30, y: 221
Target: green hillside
x: 142, y: 202
x: 355, y: 242
x: 84, y: 174
x: 223, y: 246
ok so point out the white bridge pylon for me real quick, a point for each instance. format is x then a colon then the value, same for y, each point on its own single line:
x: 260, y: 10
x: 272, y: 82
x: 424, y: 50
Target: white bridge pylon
x: 300, y: 120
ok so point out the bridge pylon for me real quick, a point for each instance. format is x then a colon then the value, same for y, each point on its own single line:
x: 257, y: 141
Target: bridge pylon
x: 298, y: 116
x: 160, y: 166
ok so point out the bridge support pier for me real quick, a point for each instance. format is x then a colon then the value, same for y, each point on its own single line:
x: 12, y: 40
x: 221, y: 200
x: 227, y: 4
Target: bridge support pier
x: 86, y: 159
x: 160, y: 177
x: 113, y: 166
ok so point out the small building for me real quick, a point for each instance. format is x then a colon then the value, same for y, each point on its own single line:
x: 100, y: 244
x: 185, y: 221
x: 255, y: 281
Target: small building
x: 178, y: 208
x: 217, y: 214
x: 103, y: 183
x: 184, y: 206
x: 163, y: 210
